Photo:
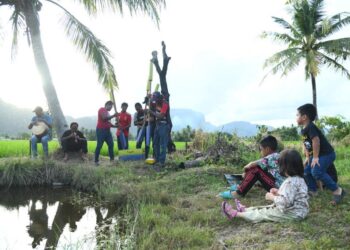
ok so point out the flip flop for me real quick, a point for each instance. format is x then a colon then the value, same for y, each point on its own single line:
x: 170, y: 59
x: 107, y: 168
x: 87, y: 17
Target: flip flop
x: 228, y: 211
x: 234, y: 187
x: 240, y: 207
x: 337, y: 198
x: 226, y: 195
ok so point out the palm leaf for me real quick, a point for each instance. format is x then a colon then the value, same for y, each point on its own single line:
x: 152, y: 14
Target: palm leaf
x: 336, y: 47
x: 96, y: 52
x: 330, y: 62
x: 336, y: 23
x: 17, y: 23
x: 282, y: 37
x: 287, y: 26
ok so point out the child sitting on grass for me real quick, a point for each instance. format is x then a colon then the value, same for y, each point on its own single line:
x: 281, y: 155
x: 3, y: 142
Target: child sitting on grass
x: 264, y: 170
x: 320, y: 154
x: 290, y: 201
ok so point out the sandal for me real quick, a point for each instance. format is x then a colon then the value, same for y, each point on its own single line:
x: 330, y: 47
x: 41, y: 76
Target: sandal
x: 337, y: 198
x: 234, y: 187
x: 240, y: 207
x: 226, y: 195
x: 228, y: 211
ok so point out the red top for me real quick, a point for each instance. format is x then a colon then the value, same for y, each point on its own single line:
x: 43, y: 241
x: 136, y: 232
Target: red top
x: 124, y: 119
x: 103, y: 123
x: 164, y: 108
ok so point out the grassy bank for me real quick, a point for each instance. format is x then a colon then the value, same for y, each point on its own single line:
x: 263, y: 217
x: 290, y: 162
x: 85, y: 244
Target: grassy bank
x: 177, y: 209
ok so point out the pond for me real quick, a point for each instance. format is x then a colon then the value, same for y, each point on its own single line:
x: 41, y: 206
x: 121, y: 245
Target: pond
x: 49, y: 218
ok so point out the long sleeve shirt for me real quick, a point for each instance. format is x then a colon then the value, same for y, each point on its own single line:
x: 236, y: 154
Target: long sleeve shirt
x: 293, y: 197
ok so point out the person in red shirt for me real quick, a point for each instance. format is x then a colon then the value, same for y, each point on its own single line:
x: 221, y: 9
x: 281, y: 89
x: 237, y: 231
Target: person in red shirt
x: 124, y: 123
x: 161, y: 133
x: 103, y: 131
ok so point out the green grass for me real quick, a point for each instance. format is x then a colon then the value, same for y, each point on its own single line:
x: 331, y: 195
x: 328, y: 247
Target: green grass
x: 179, y: 209
x: 20, y: 148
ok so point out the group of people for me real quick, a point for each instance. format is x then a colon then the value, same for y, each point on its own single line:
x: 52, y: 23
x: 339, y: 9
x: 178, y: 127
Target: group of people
x: 288, y: 180
x: 153, y: 125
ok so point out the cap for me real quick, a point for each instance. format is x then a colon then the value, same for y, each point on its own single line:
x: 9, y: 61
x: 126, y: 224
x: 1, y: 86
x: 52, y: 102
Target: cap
x: 38, y: 109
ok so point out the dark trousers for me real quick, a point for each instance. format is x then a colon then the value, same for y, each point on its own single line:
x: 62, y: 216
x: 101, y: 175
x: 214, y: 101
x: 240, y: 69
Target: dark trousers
x: 104, y: 135
x: 73, y: 146
x: 253, y: 175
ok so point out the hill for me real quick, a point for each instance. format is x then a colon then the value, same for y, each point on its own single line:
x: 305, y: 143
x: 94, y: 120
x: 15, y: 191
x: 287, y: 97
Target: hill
x: 14, y: 121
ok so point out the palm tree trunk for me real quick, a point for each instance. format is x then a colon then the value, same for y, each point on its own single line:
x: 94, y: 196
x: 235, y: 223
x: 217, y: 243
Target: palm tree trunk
x: 32, y: 22
x: 314, y: 96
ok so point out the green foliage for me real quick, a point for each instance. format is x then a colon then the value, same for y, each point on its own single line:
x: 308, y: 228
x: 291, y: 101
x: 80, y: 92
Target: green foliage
x: 185, y: 135
x: 335, y: 127
x: 286, y: 133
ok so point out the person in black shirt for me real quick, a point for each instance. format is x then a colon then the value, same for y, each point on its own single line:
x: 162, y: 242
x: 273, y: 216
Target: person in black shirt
x: 319, y: 152
x: 74, y: 141
x: 139, y: 122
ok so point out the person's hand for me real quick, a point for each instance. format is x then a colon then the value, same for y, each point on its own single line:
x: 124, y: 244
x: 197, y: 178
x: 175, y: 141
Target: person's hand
x: 269, y: 196
x: 274, y: 191
x: 248, y: 166
x: 315, y: 161
x: 306, y: 162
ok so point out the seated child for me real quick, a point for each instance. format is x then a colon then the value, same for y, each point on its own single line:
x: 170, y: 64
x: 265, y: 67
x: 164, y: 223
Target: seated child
x: 265, y: 170
x: 319, y: 152
x: 290, y: 201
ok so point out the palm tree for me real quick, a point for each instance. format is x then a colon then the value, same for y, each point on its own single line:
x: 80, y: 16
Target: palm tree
x: 25, y: 16
x: 307, y: 38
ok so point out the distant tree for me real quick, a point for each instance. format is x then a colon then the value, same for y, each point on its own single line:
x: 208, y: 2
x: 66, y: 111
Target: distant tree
x: 286, y: 133
x: 335, y: 127
x: 25, y: 18
x: 184, y: 135
x: 24, y: 136
x: 307, y: 38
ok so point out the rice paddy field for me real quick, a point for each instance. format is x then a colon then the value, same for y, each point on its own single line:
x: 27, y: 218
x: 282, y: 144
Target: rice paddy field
x: 20, y: 148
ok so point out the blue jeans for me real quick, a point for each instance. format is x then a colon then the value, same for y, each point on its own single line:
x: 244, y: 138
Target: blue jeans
x: 160, y: 141
x: 44, y: 141
x: 141, y: 134
x: 319, y: 173
x: 104, y: 135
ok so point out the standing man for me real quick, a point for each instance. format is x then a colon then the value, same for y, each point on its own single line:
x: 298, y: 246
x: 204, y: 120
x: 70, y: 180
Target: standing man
x: 103, y: 131
x: 139, y: 122
x: 41, y: 125
x: 124, y: 123
x: 161, y: 133
x: 73, y: 141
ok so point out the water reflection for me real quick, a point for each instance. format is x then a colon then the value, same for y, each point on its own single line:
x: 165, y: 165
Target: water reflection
x: 45, y: 218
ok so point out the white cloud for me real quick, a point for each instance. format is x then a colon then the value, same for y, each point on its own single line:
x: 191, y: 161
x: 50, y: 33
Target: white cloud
x: 216, y: 65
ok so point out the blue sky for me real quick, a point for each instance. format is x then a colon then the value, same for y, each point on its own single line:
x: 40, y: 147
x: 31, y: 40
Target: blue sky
x: 216, y: 67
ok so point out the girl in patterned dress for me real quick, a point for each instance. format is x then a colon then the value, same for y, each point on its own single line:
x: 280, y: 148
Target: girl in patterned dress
x: 290, y: 201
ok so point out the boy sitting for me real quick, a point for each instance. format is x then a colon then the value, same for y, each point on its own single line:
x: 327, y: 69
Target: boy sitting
x: 265, y: 170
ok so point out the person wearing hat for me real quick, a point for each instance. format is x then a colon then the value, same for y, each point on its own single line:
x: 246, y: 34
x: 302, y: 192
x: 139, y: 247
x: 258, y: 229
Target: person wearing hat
x: 40, y: 125
x: 74, y: 140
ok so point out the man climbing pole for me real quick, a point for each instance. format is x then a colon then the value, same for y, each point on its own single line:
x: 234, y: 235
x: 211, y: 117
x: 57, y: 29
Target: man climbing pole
x: 164, y: 89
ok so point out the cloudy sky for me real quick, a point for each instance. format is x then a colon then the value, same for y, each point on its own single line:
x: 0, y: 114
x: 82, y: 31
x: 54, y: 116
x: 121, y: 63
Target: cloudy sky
x: 216, y: 67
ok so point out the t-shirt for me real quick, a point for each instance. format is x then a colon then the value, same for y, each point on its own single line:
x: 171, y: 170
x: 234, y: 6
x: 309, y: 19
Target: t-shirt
x: 68, y: 132
x: 47, y: 119
x: 163, y: 109
x: 139, y: 117
x: 311, y: 131
x: 270, y: 164
x: 104, y: 124
x: 124, y: 119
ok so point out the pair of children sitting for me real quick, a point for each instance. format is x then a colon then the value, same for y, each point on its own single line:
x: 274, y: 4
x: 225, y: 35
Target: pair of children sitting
x: 283, y: 175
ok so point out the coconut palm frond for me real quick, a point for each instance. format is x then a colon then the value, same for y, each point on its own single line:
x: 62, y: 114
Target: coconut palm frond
x: 287, y: 26
x: 285, y: 64
x: 281, y: 56
x: 337, y: 48
x: 316, y: 11
x: 96, y: 52
x: 312, y: 63
x: 335, y: 24
x: 330, y: 62
x: 282, y: 37
x: 18, y: 23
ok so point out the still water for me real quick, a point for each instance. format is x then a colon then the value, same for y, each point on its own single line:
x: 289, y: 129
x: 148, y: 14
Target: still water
x: 47, y: 218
